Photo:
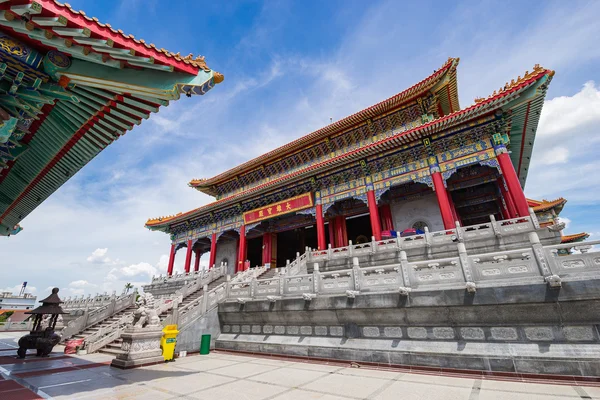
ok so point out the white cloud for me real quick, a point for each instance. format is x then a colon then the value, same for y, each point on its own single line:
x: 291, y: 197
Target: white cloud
x: 80, y: 284
x: 99, y: 257
x: 566, y: 114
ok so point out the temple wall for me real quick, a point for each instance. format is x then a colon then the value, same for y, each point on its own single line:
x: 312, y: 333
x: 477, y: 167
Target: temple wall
x: 406, y: 212
x: 226, y: 251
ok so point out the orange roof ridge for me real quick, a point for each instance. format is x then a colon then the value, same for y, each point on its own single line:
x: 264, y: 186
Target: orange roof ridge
x: 198, y: 62
x: 331, y: 128
x: 514, y: 83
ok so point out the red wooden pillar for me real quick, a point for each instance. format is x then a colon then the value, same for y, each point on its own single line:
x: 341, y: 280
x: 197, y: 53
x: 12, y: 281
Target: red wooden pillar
x: 374, y: 214
x: 387, y: 223
x: 321, y: 245
x: 512, y: 181
x: 242, y: 248
x: 332, y: 240
x: 503, y: 210
x: 267, y: 248
x: 510, y: 205
x: 341, y: 236
x: 171, y: 261
x: 197, y: 260
x: 442, y: 198
x: 213, y: 251
x: 188, y: 257
x: 455, y: 215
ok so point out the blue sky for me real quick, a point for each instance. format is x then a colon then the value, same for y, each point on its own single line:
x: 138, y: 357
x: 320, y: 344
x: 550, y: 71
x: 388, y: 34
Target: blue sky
x: 289, y: 67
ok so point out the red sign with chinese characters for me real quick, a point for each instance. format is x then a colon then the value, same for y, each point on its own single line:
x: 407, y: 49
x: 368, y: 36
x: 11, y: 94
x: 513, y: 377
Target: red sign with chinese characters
x: 280, y: 208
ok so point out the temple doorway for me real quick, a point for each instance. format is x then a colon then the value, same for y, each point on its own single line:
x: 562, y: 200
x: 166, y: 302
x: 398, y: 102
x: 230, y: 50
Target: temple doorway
x: 359, y: 228
x: 288, y: 243
x: 474, y: 192
x: 254, y: 252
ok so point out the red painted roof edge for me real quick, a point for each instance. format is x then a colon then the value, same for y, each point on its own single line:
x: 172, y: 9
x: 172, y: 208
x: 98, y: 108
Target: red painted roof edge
x: 329, y: 129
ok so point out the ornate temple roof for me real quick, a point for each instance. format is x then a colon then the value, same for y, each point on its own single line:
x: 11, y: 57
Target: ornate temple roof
x: 75, y: 85
x: 508, y: 96
x: 544, y: 205
x: 576, y: 237
x: 408, y: 95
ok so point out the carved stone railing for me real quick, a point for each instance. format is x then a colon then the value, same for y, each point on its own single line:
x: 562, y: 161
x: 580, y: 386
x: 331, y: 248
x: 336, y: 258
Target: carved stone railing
x: 182, y: 276
x: 100, y: 300
x: 107, y: 334
x: 183, y: 283
x: 92, y: 317
x: 531, y: 264
x: 16, y: 326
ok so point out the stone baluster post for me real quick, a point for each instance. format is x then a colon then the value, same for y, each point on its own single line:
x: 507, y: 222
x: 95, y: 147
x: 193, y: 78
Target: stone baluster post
x: 227, y: 285
x: 464, y: 262
x: 540, y: 256
x: 534, y: 219
x: 356, y: 273
x: 316, y: 278
x: 428, y: 243
x: 497, y: 233
x: 398, y: 241
x: 204, y: 299
x: 253, y: 285
x: 404, y: 267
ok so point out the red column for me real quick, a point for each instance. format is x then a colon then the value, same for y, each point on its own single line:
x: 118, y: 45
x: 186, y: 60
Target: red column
x: 510, y: 205
x: 197, y: 260
x: 332, y: 240
x: 213, y: 251
x: 512, y: 181
x: 267, y: 247
x: 387, y: 223
x: 321, y: 245
x: 503, y: 210
x: 442, y: 198
x: 171, y: 261
x: 344, y: 231
x: 242, y: 248
x: 188, y: 256
x: 340, y: 227
x: 455, y: 215
x: 374, y: 214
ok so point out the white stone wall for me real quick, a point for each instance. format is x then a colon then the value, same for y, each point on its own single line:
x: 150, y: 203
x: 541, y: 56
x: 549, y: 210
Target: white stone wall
x: 227, y: 249
x: 406, y: 212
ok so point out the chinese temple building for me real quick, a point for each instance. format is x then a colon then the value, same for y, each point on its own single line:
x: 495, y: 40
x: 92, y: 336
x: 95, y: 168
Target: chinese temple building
x: 70, y: 87
x: 414, y: 162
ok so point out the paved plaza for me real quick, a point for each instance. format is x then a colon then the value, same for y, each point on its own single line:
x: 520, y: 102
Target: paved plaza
x: 231, y: 376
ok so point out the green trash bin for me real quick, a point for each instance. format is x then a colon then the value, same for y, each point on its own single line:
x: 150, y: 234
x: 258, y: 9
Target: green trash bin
x: 205, y: 344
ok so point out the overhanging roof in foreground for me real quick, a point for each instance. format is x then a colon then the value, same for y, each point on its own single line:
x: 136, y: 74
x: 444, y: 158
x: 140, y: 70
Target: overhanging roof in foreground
x: 70, y: 87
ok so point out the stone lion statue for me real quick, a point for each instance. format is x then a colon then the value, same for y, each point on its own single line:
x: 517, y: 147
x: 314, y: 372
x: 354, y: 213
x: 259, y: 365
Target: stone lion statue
x: 145, y: 315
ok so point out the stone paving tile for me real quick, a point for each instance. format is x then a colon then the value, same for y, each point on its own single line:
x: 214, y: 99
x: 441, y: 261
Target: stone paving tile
x: 79, y: 389
x: 287, y: 376
x: 242, y: 370
x: 190, y: 383
x: 273, y: 361
x: 299, y: 394
x: 316, y: 367
x: 371, y: 373
x: 423, y: 391
x: 516, y: 388
x: 438, y: 380
x: 203, y: 365
x: 239, y: 390
x: 346, y: 385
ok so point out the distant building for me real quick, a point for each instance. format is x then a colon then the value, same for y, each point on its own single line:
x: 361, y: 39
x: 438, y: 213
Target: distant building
x: 9, y: 301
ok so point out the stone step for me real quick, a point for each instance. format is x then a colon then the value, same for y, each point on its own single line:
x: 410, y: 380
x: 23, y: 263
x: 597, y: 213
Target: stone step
x: 106, y: 350
x: 113, y: 346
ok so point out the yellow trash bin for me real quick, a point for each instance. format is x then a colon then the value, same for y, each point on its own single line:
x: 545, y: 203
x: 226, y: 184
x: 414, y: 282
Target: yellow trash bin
x: 168, y: 341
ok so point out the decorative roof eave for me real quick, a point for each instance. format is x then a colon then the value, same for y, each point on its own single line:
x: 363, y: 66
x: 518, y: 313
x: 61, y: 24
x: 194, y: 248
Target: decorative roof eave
x: 384, y: 106
x: 485, y: 106
x: 58, y: 21
x: 545, y: 205
x: 576, y: 237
